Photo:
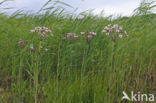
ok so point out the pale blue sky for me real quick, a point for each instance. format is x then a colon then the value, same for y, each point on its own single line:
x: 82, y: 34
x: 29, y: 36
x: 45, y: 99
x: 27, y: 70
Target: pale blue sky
x: 124, y: 7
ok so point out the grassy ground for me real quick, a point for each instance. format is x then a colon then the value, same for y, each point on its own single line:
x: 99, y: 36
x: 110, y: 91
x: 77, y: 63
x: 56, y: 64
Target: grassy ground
x: 74, y: 71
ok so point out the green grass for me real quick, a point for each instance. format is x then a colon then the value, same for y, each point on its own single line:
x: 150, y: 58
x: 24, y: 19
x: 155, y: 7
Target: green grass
x: 76, y: 72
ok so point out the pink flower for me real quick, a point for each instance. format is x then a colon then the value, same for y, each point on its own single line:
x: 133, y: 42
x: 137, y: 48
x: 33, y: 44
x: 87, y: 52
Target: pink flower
x: 33, y: 31
x: 48, y: 31
x: 41, y: 31
x: 45, y: 28
x: 106, y: 28
x: 44, y: 34
x: 120, y: 27
x: 21, y: 43
x: 89, y: 36
x: 32, y: 47
x: 120, y: 36
x: 113, y: 31
x: 104, y: 31
x: 69, y: 35
x: 93, y: 33
x: 117, y: 30
x: 82, y: 33
x: 38, y: 28
x: 115, y: 26
x: 76, y: 36
x: 125, y: 32
x: 110, y: 30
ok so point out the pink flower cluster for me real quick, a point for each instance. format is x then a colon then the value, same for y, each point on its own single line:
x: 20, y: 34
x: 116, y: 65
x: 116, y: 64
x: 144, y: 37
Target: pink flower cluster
x: 41, y: 31
x: 114, y: 31
x: 88, y: 36
x: 21, y: 43
x: 88, y: 33
x: 70, y: 36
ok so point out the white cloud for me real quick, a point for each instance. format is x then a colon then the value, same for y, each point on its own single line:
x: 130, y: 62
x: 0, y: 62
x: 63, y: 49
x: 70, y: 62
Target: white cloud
x: 27, y: 4
x: 124, y: 7
x: 21, y: 1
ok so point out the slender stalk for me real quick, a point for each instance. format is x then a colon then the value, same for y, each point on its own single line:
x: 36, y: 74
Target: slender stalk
x: 112, y: 56
x: 36, y: 72
x: 20, y: 77
x: 36, y: 81
x: 58, y: 65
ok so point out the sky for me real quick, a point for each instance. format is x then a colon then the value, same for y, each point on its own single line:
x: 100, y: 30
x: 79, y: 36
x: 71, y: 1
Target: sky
x: 115, y: 7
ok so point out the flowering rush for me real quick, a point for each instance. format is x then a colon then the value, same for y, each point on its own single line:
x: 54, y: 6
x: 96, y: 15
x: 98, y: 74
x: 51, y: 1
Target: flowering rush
x: 114, y: 32
x: 89, y: 36
x: 88, y: 33
x: 21, y: 43
x: 70, y: 36
x: 42, y: 32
